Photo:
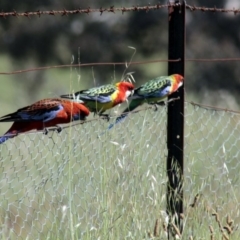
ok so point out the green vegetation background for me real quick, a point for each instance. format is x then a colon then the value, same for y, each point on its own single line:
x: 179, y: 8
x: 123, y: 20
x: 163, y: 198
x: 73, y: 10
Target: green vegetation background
x: 108, y: 187
x: 52, y: 40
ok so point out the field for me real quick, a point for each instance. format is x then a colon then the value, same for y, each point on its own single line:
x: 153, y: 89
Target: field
x: 89, y: 183
x: 86, y: 183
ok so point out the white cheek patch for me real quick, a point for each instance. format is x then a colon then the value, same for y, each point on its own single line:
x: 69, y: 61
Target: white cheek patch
x: 180, y: 84
x: 128, y: 93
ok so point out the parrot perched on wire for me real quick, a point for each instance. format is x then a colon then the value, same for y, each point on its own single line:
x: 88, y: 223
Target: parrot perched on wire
x: 43, y: 114
x: 99, y: 99
x: 152, y: 92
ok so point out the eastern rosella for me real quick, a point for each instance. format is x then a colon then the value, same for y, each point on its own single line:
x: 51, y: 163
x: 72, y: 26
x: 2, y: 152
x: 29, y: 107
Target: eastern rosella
x: 99, y: 99
x: 43, y: 114
x: 153, y: 91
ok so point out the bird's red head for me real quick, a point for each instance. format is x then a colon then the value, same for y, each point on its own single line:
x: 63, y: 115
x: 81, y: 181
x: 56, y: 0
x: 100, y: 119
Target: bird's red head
x: 178, y: 81
x: 178, y: 78
x: 125, y: 87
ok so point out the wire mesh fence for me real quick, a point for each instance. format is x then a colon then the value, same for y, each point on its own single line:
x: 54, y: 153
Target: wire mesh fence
x: 83, y: 184
x: 211, y: 172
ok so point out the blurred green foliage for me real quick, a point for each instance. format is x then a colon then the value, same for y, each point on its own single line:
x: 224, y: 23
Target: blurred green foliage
x: 52, y: 40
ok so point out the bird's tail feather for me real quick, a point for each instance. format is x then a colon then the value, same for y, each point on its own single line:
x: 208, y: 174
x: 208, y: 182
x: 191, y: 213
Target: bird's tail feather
x: 122, y: 116
x: 8, y: 135
x: 118, y: 120
x: 4, y: 138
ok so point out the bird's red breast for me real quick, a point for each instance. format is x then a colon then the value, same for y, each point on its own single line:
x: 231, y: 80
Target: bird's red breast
x: 71, y: 108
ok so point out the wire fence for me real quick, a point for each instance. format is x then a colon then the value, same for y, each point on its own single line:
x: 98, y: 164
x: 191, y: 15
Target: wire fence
x: 87, y: 183
x: 113, y: 185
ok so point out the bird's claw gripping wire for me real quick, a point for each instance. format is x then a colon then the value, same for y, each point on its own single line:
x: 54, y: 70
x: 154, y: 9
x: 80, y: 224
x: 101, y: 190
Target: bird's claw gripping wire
x: 45, y: 131
x: 105, y: 117
x: 162, y: 103
x: 58, y: 129
x: 155, y: 105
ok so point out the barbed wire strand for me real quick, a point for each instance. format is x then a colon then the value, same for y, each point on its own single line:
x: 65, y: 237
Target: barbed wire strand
x: 206, y: 107
x: 212, y: 9
x: 113, y: 9
x: 118, y: 63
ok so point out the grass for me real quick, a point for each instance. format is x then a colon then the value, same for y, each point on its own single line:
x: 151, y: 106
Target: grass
x: 77, y: 185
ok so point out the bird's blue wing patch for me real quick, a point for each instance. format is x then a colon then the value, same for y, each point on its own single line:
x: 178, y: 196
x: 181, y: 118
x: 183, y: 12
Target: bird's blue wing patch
x: 44, y: 115
x: 160, y: 92
x: 99, y: 98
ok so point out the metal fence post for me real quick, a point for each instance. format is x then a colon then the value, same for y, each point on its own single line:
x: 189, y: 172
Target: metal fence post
x: 175, y: 122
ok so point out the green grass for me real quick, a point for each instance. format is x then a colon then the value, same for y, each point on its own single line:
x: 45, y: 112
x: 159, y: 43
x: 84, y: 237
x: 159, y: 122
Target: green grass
x: 77, y: 185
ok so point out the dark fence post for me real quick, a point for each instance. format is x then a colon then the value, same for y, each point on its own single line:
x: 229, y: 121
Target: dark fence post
x: 175, y: 124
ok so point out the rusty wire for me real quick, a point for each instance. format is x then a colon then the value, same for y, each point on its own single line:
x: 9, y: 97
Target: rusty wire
x: 88, y: 65
x: 213, y: 108
x: 88, y: 10
x: 120, y: 63
x: 113, y: 9
x: 212, y: 9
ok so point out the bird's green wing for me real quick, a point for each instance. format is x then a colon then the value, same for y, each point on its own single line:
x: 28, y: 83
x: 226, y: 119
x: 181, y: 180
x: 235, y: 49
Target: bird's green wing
x: 156, y: 88
x: 104, y: 90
